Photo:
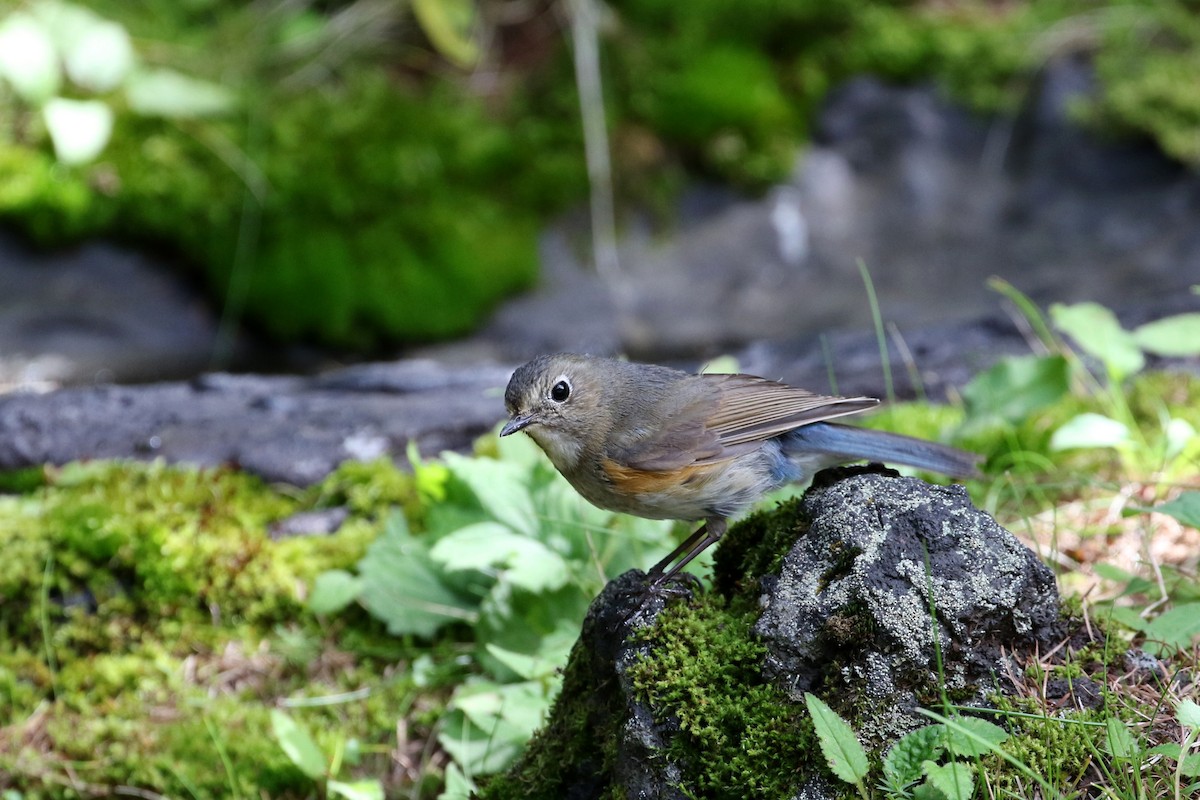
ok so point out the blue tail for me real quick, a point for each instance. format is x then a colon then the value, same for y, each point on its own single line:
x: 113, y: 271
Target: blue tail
x: 854, y: 444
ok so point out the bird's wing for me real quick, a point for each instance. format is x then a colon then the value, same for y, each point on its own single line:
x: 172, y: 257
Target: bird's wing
x: 733, y: 416
x: 680, y: 437
x: 751, y: 409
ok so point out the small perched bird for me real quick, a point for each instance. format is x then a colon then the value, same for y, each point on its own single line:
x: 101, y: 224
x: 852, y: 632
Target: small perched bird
x: 664, y: 444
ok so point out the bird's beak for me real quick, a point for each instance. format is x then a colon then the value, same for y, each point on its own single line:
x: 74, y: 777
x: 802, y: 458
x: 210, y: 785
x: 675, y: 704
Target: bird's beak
x: 517, y: 423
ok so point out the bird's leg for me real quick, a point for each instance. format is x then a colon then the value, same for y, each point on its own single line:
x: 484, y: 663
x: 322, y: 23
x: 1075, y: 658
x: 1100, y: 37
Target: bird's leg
x: 704, y: 537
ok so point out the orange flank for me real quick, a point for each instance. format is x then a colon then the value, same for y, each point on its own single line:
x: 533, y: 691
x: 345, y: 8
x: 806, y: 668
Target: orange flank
x: 642, y: 482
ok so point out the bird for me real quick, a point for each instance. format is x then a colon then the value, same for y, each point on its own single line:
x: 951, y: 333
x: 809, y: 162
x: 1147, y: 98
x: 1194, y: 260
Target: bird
x: 661, y: 443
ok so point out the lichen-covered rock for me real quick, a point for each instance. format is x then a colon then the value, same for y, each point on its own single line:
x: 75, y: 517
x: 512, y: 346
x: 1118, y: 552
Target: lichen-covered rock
x: 884, y: 564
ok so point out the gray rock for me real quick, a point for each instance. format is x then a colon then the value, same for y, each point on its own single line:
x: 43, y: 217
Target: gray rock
x: 96, y: 313
x: 289, y: 429
x: 884, y: 564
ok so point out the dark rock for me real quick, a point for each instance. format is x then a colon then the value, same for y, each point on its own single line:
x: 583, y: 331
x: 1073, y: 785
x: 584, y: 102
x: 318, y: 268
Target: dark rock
x: 601, y: 741
x: 851, y: 612
x: 96, y: 313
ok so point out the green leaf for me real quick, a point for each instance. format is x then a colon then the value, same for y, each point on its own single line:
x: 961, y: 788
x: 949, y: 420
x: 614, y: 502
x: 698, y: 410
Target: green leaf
x: 450, y: 25
x: 298, y: 745
x: 1176, y: 629
x: 167, y: 93
x: 903, y: 764
x: 1014, y: 388
x: 357, y: 790
x: 79, y: 129
x: 100, y: 57
x: 1185, y: 508
x: 458, y: 786
x: 403, y: 586
x: 28, y: 60
x: 1089, y: 430
x: 1188, y: 714
x: 1179, y: 434
x: 1128, y: 617
x: 1097, y: 332
x: 1190, y: 765
x: 481, y: 750
x: 843, y: 752
x: 969, y: 737
x: 527, y: 562
x: 500, y: 487
x: 543, y: 664
x: 955, y: 780
x: 333, y: 590
x: 1177, y: 336
x: 1119, y: 740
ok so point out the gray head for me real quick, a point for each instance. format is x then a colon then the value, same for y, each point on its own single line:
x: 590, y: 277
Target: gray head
x: 560, y: 401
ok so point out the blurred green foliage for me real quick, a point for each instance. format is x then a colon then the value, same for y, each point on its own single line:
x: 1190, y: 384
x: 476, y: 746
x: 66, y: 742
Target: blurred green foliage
x: 365, y: 194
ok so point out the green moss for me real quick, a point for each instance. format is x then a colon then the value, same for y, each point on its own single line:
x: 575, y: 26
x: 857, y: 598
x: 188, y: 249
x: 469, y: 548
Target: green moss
x: 738, y: 736
x: 151, y: 624
x: 1147, y: 63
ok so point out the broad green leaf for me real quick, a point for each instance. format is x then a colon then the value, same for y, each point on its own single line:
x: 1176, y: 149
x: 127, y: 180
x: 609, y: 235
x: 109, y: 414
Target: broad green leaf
x: 28, y: 60
x: 903, y: 764
x: 1185, y: 508
x: 458, y: 786
x: 101, y: 57
x: 1174, y: 629
x: 333, y: 590
x: 969, y: 737
x: 1120, y: 740
x: 543, y: 664
x: 543, y: 626
x: 481, y: 751
x: 1188, y: 713
x: 955, y: 780
x: 841, y: 748
x: 1128, y: 617
x: 450, y: 26
x: 526, y: 562
x: 1014, y: 388
x: 523, y: 705
x: 500, y: 487
x: 402, y: 585
x: 298, y: 745
x: 1171, y: 336
x: 357, y: 790
x: 1089, y: 430
x: 79, y: 129
x: 1096, y: 331
x: 167, y: 93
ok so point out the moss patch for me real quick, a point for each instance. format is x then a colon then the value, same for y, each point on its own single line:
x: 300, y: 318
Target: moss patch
x: 151, y: 623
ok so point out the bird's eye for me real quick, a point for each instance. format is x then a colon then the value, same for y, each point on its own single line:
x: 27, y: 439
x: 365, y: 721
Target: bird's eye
x: 560, y: 392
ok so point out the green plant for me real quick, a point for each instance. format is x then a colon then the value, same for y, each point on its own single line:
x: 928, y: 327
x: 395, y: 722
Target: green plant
x: 50, y: 40
x: 509, y: 549
x: 303, y: 751
x: 1097, y: 367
